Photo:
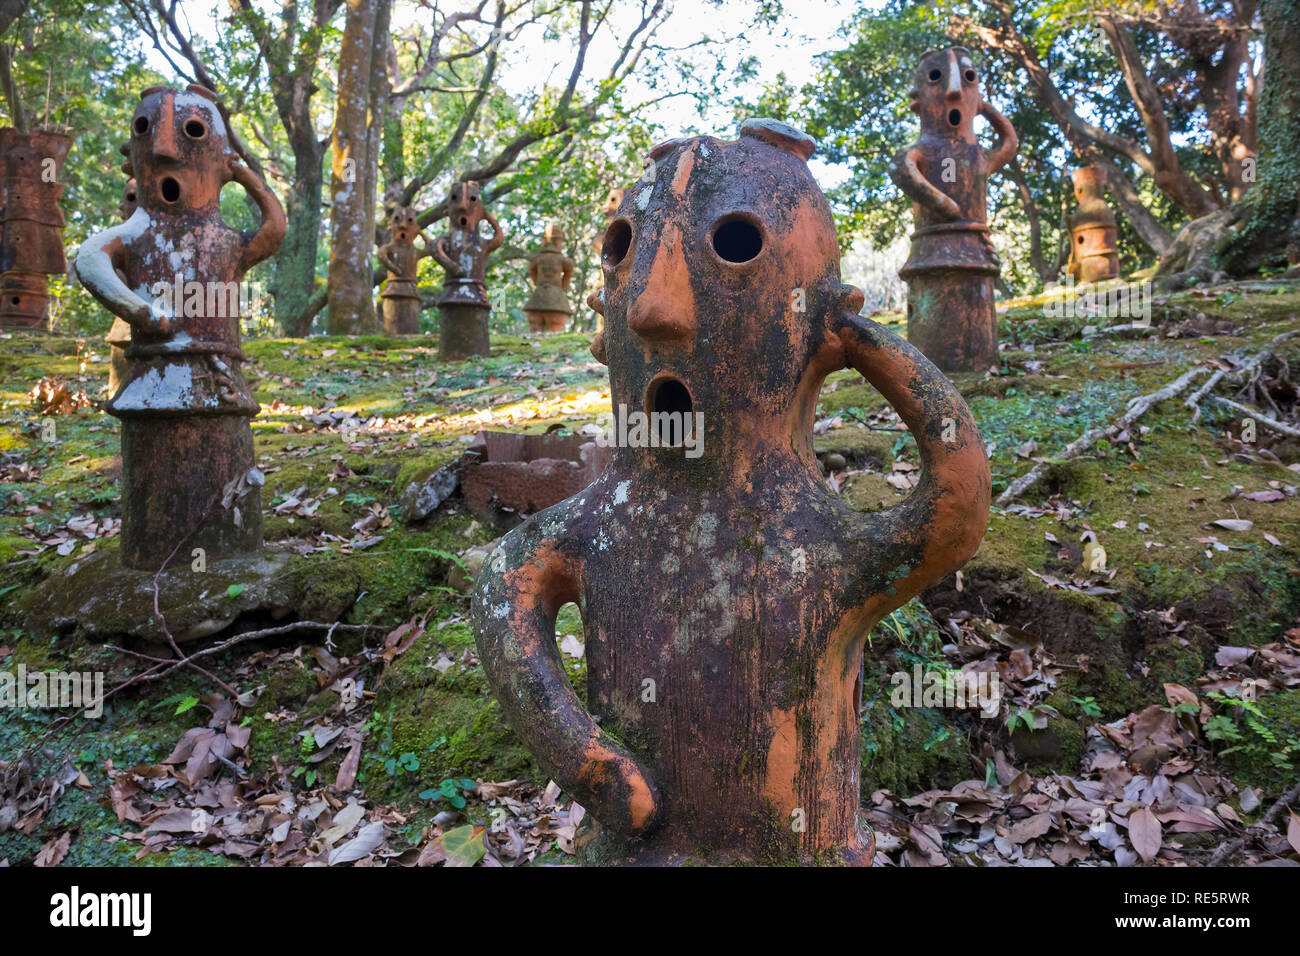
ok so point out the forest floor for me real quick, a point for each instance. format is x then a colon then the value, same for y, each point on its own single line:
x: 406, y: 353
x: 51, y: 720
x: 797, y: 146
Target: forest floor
x: 1149, y: 711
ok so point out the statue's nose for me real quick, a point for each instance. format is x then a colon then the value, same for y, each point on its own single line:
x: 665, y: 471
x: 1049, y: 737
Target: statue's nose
x: 164, y: 132
x: 954, y: 78
x: 664, y: 311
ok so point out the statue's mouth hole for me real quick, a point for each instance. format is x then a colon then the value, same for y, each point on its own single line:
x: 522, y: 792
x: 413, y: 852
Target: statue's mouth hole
x: 954, y: 117
x: 171, y: 189
x: 464, y: 221
x: 667, y: 394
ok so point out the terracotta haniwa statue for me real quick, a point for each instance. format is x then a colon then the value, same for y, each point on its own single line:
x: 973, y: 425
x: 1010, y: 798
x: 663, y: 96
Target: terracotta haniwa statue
x: 950, y: 272
x: 462, y: 251
x: 726, y: 595
x: 612, y: 201
x: 1094, y: 238
x: 401, y: 296
x: 31, y: 224
x: 119, y: 335
x: 173, y: 271
x: 548, y: 308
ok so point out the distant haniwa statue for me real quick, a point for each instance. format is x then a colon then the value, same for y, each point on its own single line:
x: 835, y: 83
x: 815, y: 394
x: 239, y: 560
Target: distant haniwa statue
x: 400, y: 300
x: 950, y: 272
x: 548, y: 308
x: 462, y: 252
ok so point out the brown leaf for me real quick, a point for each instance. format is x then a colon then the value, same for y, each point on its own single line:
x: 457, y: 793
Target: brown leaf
x: 54, y: 851
x: 1293, y: 831
x: 1030, y: 828
x: 1144, y: 833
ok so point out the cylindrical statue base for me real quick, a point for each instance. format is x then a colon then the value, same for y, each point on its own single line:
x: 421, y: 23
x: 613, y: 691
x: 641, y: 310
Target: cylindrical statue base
x: 462, y: 330
x: 175, y: 470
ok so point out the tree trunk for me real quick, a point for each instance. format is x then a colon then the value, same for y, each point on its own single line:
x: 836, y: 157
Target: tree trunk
x: 16, y: 112
x: 1046, y: 271
x: 1148, y: 228
x: 1175, y: 182
x: 295, y: 265
x: 352, y: 224
x: 11, y: 10
x: 1270, y: 231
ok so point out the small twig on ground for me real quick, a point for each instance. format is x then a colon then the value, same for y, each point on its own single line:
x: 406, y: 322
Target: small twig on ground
x: 1194, y: 400
x: 1258, y: 416
x: 247, y: 636
x: 1136, y: 409
x: 1232, y: 847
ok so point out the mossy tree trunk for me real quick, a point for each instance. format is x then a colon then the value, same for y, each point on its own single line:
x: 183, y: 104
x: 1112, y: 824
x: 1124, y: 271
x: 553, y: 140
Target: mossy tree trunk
x: 1269, y: 233
x: 1262, y: 228
x: 352, y: 224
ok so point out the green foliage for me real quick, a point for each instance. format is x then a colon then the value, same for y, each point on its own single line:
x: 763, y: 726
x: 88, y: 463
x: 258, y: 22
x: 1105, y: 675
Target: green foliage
x: 1259, y: 739
x: 452, y: 790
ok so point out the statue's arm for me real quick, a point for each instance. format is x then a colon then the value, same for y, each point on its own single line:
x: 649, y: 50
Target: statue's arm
x: 439, y: 252
x: 940, y: 525
x: 498, y: 234
x: 388, y: 259
x: 97, y: 264
x: 270, y: 234
x: 524, y: 582
x: 1008, y: 141
x: 907, y: 177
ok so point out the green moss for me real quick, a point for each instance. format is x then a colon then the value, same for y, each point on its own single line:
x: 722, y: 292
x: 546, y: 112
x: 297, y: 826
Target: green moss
x: 908, y: 750
x: 1174, y: 661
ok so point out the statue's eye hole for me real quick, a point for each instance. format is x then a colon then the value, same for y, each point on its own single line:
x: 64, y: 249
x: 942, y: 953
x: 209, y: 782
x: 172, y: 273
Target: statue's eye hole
x: 141, y: 125
x: 195, y: 129
x: 736, y: 238
x: 935, y: 76
x: 970, y: 76
x: 618, y: 240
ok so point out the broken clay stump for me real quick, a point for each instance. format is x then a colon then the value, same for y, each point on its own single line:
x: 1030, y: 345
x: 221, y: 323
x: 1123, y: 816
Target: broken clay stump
x: 950, y: 305
x: 726, y: 597
x: 31, y: 223
x: 188, y: 472
x: 1094, y: 236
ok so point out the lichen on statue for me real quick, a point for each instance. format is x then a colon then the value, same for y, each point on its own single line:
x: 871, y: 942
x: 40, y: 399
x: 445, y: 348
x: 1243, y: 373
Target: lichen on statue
x: 173, y: 271
x: 726, y: 596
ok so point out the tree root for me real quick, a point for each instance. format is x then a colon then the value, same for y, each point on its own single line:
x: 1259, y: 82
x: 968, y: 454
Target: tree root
x: 1136, y: 409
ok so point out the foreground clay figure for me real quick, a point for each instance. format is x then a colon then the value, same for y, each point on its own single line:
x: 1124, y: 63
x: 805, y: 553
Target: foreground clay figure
x: 31, y: 223
x: 462, y: 251
x: 950, y: 272
x: 1094, y: 242
x: 401, y: 297
x: 548, y: 308
x: 726, y: 597
x: 188, y: 474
